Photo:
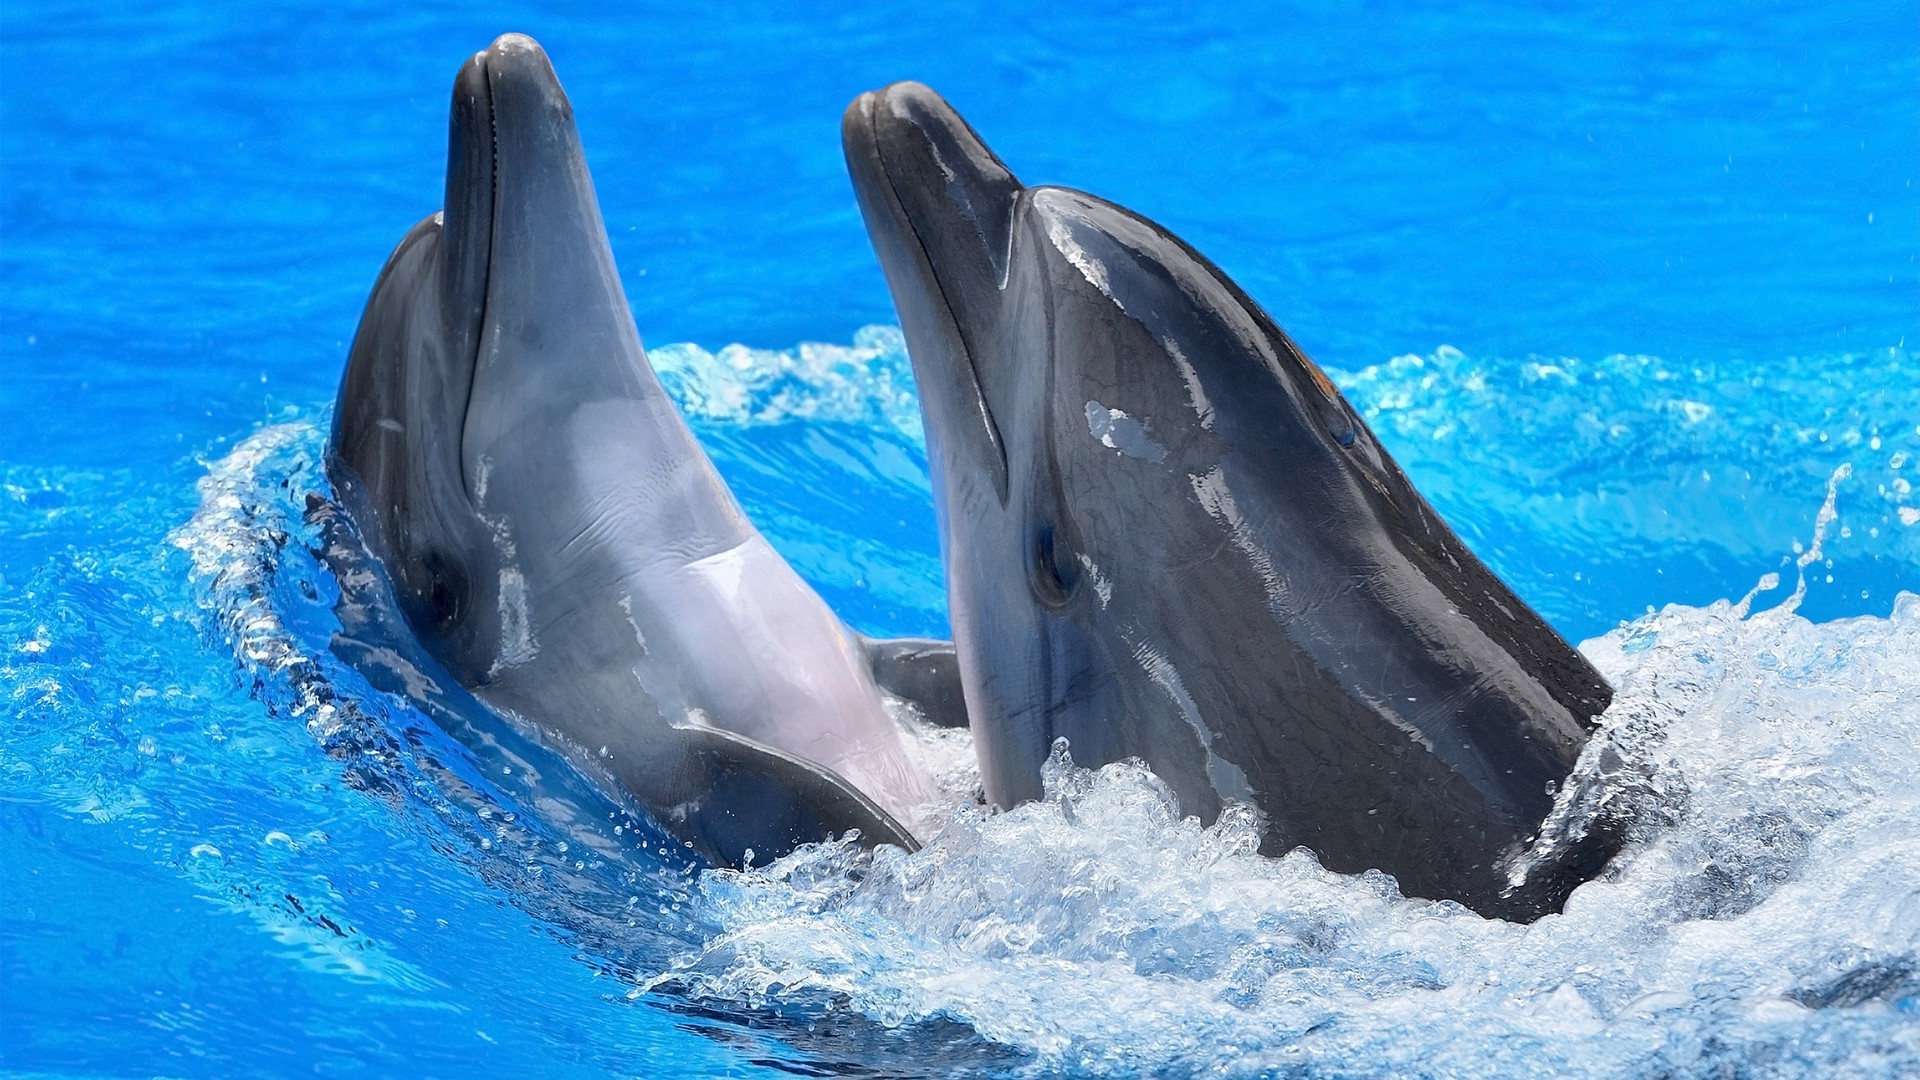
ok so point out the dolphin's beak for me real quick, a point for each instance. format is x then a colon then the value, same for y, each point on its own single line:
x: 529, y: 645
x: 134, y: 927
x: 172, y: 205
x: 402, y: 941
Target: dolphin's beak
x: 504, y: 101
x: 954, y: 195
x: 531, y: 291
x: 466, y: 228
x: 939, y: 208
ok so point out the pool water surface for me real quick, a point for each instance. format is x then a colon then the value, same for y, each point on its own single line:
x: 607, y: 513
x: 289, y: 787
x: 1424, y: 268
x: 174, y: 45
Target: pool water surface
x: 1629, y: 290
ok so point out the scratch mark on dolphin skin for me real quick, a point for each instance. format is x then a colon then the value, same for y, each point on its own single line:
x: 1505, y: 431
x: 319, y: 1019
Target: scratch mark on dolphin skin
x: 482, y: 472
x: 1116, y: 429
x: 1196, y: 394
x: 1090, y: 268
x: 1211, y: 488
x: 516, y: 626
x: 1101, y: 586
x: 1228, y: 779
x: 626, y: 607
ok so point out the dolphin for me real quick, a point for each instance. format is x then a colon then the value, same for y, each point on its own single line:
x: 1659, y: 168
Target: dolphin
x: 557, y: 541
x: 1168, y: 537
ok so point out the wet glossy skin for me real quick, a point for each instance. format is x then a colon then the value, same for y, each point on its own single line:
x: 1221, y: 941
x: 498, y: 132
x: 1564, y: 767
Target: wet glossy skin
x: 1167, y: 536
x: 556, y: 538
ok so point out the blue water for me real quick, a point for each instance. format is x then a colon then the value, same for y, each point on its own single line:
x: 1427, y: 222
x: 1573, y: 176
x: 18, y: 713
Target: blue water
x: 1630, y: 290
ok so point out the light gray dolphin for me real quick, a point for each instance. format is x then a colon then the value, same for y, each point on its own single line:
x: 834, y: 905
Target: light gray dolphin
x: 558, y: 541
x: 1167, y: 536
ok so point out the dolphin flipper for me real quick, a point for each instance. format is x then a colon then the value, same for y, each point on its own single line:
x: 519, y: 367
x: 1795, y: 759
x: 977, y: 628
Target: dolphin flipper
x: 751, y: 804
x: 924, y: 672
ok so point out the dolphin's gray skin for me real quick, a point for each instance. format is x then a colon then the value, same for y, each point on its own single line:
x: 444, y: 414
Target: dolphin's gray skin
x: 555, y: 537
x: 1167, y: 536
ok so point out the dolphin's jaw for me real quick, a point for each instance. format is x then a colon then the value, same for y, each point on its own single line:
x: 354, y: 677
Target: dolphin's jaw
x: 912, y: 256
x: 468, y: 222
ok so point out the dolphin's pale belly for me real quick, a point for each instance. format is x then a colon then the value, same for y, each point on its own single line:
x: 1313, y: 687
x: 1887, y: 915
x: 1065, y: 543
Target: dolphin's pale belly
x: 800, y: 682
x: 636, y: 646
x: 673, y: 589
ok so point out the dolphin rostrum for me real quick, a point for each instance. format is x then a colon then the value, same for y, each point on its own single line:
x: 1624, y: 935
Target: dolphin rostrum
x: 1167, y: 536
x: 557, y: 540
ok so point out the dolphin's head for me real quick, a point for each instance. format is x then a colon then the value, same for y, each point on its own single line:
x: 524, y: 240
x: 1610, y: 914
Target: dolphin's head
x: 940, y: 209
x: 1080, y: 370
x: 1168, y: 535
x: 495, y: 326
x: 965, y: 246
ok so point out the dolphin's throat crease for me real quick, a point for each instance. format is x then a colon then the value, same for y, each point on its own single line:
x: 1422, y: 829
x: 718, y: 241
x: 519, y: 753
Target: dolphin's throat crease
x: 1166, y: 535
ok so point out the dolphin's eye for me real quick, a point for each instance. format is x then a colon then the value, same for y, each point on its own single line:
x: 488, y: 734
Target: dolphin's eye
x: 446, y: 589
x: 1339, y: 422
x: 1340, y: 425
x: 1333, y: 410
x: 1049, y: 568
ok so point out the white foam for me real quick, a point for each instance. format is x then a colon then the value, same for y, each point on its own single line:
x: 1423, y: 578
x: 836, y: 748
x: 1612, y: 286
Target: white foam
x: 1626, y: 453
x: 870, y: 381
x: 1776, y: 866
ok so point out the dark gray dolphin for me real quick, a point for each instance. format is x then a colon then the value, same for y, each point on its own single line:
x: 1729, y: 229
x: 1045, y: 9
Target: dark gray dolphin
x: 1167, y: 536
x: 555, y: 537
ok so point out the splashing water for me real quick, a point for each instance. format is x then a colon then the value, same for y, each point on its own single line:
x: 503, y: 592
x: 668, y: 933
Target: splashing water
x: 1601, y: 489
x: 869, y: 383
x: 1767, y: 912
x: 1764, y: 917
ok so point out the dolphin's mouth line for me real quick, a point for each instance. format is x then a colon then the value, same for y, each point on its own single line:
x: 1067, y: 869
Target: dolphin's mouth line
x: 493, y: 215
x: 926, y: 253
x: 486, y: 284
x: 940, y: 286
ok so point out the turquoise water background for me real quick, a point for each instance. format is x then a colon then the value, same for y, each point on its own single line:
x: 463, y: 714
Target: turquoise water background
x: 1624, y: 287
